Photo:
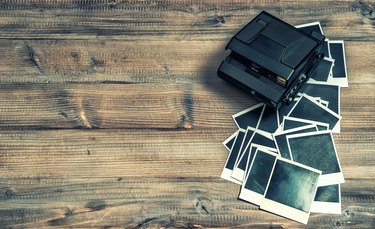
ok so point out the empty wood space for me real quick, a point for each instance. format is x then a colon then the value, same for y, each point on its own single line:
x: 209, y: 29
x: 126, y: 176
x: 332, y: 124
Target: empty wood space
x: 112, y: 116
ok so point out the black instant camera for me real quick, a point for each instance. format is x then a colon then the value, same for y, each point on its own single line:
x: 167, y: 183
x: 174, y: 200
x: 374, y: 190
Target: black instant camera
x: 271, y: 59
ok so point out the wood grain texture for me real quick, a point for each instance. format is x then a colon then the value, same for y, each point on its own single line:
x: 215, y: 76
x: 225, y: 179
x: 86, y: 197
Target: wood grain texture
x: 113, y: 61
x: 149, y: 105
x: 112, y: 116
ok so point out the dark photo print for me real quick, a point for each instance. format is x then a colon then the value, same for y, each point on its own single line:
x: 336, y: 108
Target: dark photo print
x: 231, y: 160
x: 259, y: 140
x: 256, y: 139
x: 260, y: 171
x: 285, y: 110
x: 327, y: 200
x: 311, y: 27
x: 235, y: 150
x: 292, y: 185
x: 339, y: 71
x: 246, y: 141
x: 329, y: 193
x: 326, y: 91
x: 228, y: 143
x: 323, y: 69
x: 268, y: 121
x: 315, y: 150
x: 337, y: 52
x: 311, y: 110
x: 249, y: 117
x: 318, y: 151
x: 281, y: 139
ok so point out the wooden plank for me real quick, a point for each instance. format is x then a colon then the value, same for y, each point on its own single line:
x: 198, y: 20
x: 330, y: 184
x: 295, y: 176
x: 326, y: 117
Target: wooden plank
x: 98, y: 61
x: 95, y: 178
x: 158, y: 202
x: 147, y: 106
x: 165, y: 106
x: 177, y: 19
x: 145, y: 153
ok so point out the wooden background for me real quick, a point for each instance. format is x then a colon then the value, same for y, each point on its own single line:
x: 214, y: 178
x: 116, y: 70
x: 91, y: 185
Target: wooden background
x: 111, y: 113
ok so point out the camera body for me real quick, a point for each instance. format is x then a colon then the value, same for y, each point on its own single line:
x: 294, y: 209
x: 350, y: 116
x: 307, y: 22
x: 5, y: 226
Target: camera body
x: 271, y: 59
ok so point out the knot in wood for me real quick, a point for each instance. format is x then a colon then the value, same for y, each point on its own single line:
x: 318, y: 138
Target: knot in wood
x: 366, y: 9
x: 204, y: 205
x: 338, y: 223
x: 220, y: 19
x: 112, y: 3
x: 8, y: 193
x: 348, y: 213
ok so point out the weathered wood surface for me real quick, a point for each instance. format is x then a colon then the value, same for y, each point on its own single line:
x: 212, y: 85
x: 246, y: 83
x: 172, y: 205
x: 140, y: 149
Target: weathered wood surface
x: 111, y: 114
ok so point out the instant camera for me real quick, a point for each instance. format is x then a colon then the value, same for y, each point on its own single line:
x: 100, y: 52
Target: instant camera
x: 271, y: 59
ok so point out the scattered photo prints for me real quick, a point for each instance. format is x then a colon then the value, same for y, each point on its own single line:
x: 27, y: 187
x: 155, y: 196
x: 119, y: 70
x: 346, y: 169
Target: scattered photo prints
x: 291, y: 190
x: 326, y: 50
x: 259, y: 139
x: 229, y: 165
x: 269, y: 120
x: 239, y: 169
x: 327, y: 200
x: 323, y: 70
x: 291, y: 123
x: 311, y: 27
x: 334, y: 50
x: 285, y: 110
x: 339, y: 72
x: 307, y: 108
x: 329, y: 92
x: 228, y: 143
x: 317, y: 150
x: 257, y: 176
x: 249, y: 117
x: 249, y: 134
x: 280, y: 138
x: 286, y: 160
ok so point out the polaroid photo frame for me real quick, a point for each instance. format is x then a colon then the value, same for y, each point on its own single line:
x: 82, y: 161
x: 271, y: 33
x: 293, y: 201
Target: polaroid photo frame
x: 329, y: 92
x: 240, y: 168
x: 249, y: 117
x: 291, y: 123
x: 316, y: 26
x: 323, y: 70
x: 257, y: 176
x: 258, y: 137
x: 317, y: 150
x: 310, y: 109
x: 228, y: 143
x: 309, y: 27
x: 280, y: 138
x: 249, y: 134
x: 285, y: 109
x: 238, y: 172
x: 229, y: 164
x: 339, y: 72
x: 326, y: 50
x: 269, y: 120
x: 291, y: 190
x: 327, y: 200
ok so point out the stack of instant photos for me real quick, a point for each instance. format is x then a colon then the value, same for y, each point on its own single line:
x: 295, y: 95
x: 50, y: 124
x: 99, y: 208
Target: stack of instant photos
x: 285, y: 160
